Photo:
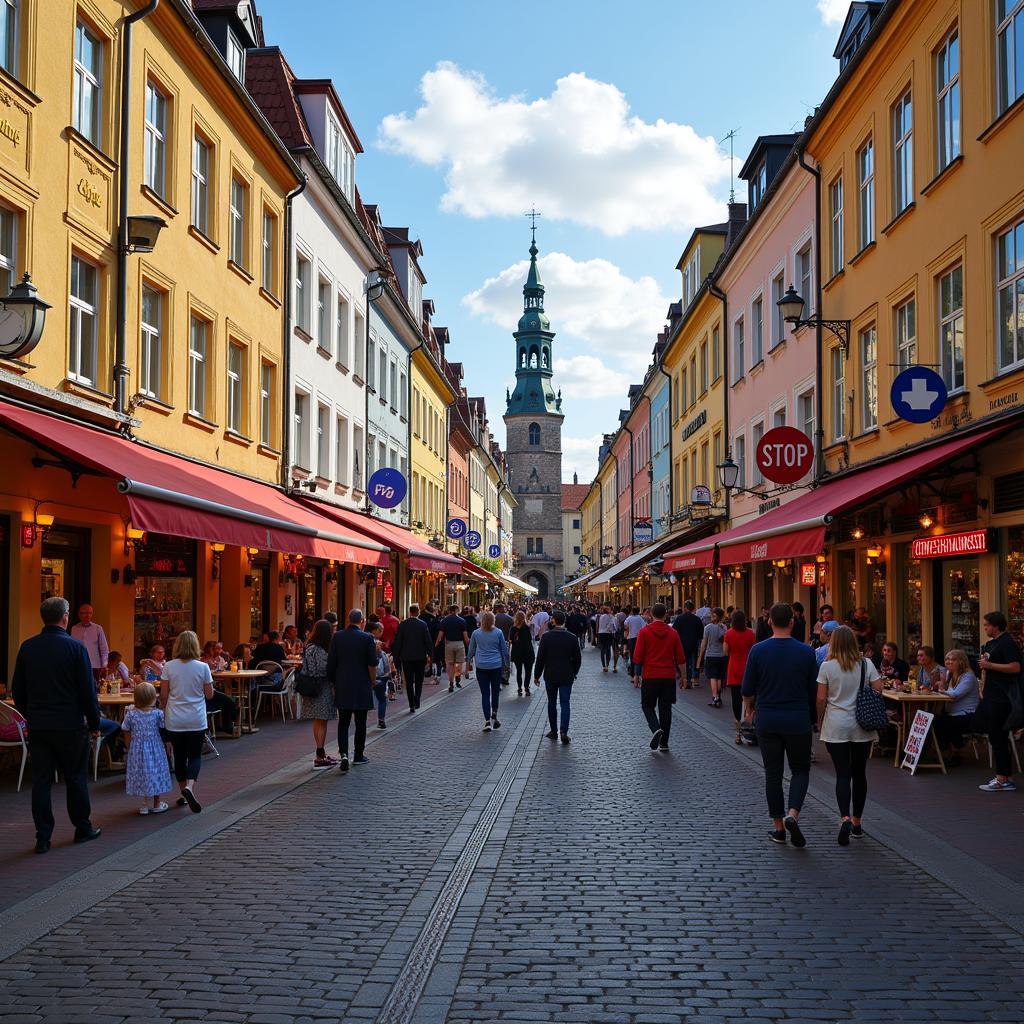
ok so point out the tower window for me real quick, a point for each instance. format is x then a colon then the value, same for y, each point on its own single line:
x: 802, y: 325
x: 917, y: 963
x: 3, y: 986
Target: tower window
x: 533, y: 357
x: 534, y: 434
x: 544, y: 358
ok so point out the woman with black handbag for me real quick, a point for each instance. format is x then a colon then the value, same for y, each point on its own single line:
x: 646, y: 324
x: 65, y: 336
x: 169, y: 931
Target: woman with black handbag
x: 317, y: 691
x: 850, y: 712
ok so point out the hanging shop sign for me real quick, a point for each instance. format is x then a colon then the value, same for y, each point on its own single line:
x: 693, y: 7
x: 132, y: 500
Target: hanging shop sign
x: 951, y: 545
x: 784, y: 455
x: 918, y: 394
x: 457, y: 528
x: 472, y: 540
x: 389, y: 591
x: 808, y: 574
x: 584, y: 561
x: 643, y: 532
x: 387, y: 487
x: 700, y: 495
x: 494, y: 551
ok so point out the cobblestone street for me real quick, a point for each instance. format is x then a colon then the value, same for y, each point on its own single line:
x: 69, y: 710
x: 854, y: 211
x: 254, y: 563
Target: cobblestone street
x: 464, y: 876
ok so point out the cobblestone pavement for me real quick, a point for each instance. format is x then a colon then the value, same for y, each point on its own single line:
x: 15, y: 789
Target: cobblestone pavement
x: 464, y: 876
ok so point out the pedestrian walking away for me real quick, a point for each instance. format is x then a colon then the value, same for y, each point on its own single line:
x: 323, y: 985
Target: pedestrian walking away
x: 451, y: 632
x: 632, y: 626
x: 780, y: 688
x: 737, y: 643
x: 840, y: 679
x: 385, y: 674
x: 658, y: 662
x: 319, y: 707
x: 55, y: 691
x: 352, y: 667
x: 488, y: 651
x: 412, y: 649
x: 558, y: 663
x: 712, y: 655
x: 691, y: 632
x: 606, y: 636
x: 521, y: 651
x: 504, y: 622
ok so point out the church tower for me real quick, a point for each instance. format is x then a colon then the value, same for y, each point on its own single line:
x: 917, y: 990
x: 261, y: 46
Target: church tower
x: 533, y: 427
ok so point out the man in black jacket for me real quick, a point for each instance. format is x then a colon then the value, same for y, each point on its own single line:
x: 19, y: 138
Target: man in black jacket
x: 558, y: 661
x: 55, y: 690
x: 691, y: 631
x: 352, y: 667
x: 412, y: 649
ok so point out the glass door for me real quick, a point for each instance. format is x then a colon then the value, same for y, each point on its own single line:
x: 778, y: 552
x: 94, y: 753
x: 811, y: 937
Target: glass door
x: 958, y: 606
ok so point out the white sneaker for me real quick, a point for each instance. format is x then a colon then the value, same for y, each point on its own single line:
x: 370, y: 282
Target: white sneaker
x: 144, y: 810
x: 995, y: 786
x: 159, y: 809
x: 487, y: 726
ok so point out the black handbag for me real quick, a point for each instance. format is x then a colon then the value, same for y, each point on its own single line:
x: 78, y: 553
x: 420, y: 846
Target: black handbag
x: 307, y: 685
x: 870, y: 708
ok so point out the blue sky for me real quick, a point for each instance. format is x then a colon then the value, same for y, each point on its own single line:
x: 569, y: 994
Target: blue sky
x: 606, y: 116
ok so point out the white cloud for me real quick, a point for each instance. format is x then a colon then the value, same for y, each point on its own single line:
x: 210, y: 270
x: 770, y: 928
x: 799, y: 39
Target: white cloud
x: 589, y: 377
x: 579, y: 455
x: 577, y: 154
x: 833, y: 12
x: 598, y: 304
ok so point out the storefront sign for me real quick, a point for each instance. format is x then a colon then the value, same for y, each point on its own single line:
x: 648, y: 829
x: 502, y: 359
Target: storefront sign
x: 953, y: 419
x: 472, y: 540
x: 808, y: 574
x: 700, y: 495
x: 643, y: 532
x: 950, y: 545
x: 915, y: 740
x: 28, y: 535
x: 767, y: 506
x: 494, y: 551
x: 1003, y: 401
x: 759, y: 551
x: 918, y: 394
x: 457, y: 528
x: 694, y: 425
x: 387, y: 487
x: 389, y: 591
x: 166, y: 556
x: 784, y: 455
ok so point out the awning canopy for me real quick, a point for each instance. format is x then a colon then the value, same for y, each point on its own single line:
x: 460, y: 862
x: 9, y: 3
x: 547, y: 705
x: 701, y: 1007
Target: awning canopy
x: 478, y: 572
x: 629, y: 563
x: 797, y: 529
x: 169, y: 494
x: 421, y: 555
x: 580, y: 580
x: 517, y: 584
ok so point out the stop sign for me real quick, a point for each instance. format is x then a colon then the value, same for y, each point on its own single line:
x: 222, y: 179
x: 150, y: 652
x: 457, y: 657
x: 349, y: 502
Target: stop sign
x: 784, y: 455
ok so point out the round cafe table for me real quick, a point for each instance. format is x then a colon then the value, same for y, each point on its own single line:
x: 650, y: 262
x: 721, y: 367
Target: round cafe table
x: 237, y: 684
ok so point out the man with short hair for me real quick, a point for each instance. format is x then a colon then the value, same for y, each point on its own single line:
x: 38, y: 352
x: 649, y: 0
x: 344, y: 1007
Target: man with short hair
x: 55, y: 690
x: 631, y: 627
x: 605, y: 635
x: 658, y: 659
x: 451, y: 632
x: 780, y: 688
x: 333, y: 620
x: 390, y: 623
x: 825, y: 614
x: 558, y: 661
x: 576, y: 623
x: 91, y: 636
x: 690, y: 628
x: 504, y: 622
x: 763, y: 626
x: 352, y: 668
x: 1000, y: 663
x: 412, y: 648
x: 541, y: 617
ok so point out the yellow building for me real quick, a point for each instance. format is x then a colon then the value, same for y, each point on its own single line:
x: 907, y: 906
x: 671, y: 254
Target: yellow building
x: 590, y: 510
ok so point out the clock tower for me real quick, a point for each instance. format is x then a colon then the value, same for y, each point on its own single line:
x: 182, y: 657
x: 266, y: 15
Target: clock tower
x: 533, y: 427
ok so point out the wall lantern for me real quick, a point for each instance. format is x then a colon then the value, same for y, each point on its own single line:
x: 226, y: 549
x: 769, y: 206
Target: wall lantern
x: 22, y: 319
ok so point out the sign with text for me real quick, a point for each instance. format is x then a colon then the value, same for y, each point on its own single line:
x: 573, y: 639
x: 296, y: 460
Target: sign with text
x: 808, y: 574
x: 784, y: 455
x: 950, y: 545
x: 643, y: 532
x: 916, y: 736
x: 700, y: 495
x: 387, y: 487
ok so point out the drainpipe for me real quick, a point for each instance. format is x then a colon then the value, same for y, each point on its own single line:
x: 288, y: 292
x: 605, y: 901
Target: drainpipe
x: 714, y: 290
x: 408, y: 424
x: 120, y: 328
x: 286, y: 355
x: 819, y: 400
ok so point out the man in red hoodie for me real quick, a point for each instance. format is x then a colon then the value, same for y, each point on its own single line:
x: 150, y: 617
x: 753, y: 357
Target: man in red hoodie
x: 658, y: 661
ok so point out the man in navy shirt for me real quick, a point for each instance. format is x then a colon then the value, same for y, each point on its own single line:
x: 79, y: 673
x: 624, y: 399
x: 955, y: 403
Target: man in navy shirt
x: 779, y: 693
x: 691, y: 631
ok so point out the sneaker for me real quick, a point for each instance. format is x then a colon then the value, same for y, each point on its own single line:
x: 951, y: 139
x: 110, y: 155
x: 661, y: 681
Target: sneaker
x: 383, y: 725
x: 321, y: 764
x: 845, y: 829
x: 793, y: 828
x: 656, y: 739
x: 159, y: 809
x: 343, y: 764
x: 361, y: 759
x: 995, y: 786
x: 487, y: 725
x: 777, y: 837
x: 857, y: 832
x: 144, y: 810
x: 190, y: 799
x: 495, y: 722
x: 552, y: 735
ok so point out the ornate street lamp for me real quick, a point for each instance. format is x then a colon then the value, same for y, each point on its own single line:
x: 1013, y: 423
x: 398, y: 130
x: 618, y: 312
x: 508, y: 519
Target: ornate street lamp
x: 792, y: 306
x: 22, y: 319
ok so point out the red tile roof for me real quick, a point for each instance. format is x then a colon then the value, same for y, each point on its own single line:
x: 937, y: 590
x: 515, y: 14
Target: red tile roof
x: 270, y: 82
x: 573, y: 495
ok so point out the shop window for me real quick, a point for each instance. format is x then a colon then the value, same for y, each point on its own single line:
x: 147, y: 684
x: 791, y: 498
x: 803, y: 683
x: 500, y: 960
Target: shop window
x: 1013, y: 582
x: 164, y: 592
x: 961, y: 608
x: 912, y: 604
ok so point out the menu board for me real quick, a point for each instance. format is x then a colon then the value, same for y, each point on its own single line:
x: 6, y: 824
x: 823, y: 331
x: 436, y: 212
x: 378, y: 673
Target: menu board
x: 916, y: 736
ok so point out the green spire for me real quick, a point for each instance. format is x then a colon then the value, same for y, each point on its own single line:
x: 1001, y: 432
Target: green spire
x: 533, y: 290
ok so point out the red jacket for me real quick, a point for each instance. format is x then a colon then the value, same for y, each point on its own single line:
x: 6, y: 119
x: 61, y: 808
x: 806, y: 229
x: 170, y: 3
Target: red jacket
x: 658, y: 651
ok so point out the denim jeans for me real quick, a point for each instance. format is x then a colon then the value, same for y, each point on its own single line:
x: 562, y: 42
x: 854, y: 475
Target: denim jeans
x: 558, y: 695
x: 380, y: 691
x: 691, y: 664
x: 605, y: 640
x: 490, y: 689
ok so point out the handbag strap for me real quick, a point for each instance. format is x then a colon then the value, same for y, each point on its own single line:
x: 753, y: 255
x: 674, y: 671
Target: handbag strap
x: 863, y: 674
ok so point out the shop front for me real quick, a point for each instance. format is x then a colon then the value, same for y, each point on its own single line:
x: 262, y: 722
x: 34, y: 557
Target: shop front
x: 165, y: 592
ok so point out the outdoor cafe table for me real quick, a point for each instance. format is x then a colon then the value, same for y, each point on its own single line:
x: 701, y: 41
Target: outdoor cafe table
x: 908, y: 705
x: 237, y: 684
x: 116, y: 702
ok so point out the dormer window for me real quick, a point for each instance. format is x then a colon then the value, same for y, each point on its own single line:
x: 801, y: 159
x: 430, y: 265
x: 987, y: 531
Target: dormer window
x: 415, y: 289
x: 758, y: 185
x: 691, y: 274
x: 341, y: 159
x: 236, y: 56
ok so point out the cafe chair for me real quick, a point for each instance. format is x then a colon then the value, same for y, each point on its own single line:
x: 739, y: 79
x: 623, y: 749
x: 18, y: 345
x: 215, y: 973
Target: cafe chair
x: 13, y: 724
x: 281, y: 693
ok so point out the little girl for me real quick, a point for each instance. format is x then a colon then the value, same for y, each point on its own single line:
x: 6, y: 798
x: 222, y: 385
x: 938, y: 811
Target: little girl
x: 148, y: 773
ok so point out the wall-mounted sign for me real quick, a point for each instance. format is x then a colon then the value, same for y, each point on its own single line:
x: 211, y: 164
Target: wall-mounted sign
x: 457, y: 528
x: 951, y: 545
x: 472, y: 540
x: 584, y: 561
x: 643, y: 532
x: 808, y: 574
x: 389, y: 591
x: 695, y: 424
x: 918, y: 394
x: 387, y: 487
x: 700, y: 495
x: 784, y: 455
x: 494, y: 551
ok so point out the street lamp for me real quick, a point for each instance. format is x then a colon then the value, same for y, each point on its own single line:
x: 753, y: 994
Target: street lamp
x: 728, y: 472
x: 143, y: 231
x: 22, y: 319
x: 792, y: 306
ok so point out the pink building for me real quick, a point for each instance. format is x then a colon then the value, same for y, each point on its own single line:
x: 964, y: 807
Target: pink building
x: 638, y: 430
x: 623, y: 454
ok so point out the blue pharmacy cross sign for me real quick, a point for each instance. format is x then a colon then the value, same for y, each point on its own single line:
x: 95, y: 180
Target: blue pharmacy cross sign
x: 918, y: 394
x: 472, y: 540
x: 456, y: 528
x: 494, y: 551
x: 387, y: 487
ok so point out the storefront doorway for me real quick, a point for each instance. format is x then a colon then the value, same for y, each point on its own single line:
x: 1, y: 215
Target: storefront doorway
x: 957, y: 623
x: 165, y: 591
x: 259, y: 601
x: 5, y: 584
x: 311, y: 600
x: 65, y: 567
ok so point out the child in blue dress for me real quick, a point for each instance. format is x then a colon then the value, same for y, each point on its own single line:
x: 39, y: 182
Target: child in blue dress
x: 148, y: 772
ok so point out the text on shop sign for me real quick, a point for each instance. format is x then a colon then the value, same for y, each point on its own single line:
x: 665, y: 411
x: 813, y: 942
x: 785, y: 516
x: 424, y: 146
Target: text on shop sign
x: 974, y: 542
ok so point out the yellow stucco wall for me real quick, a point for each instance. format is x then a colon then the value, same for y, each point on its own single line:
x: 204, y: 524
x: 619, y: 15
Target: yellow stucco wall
x: 431, y: 397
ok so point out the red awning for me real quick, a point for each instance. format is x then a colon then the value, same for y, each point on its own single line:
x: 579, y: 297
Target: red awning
x: 479, y: 572
x: 169, y: 494
x: 797, y: 529
x: 421, y: 555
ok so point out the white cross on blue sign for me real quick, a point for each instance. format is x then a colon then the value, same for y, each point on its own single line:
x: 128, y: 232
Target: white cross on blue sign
x: 918, y: 394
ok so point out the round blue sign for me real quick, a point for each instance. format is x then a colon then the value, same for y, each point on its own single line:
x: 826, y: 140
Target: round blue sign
x: 387, y: 487
x: 918, y: 394
x: 494, y: 551
x: 472, y: 540
x: 456, y: 528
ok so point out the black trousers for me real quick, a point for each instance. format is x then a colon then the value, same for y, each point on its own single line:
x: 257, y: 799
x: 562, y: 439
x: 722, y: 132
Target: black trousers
x: 344, y: 717
x: 226, y: 706
x: 736, y: 693
x: 658, y: 694
x: 851, y: 763
x: 605, y: 640
x: 776, y: 749
x: 994, y: 710
x: 68, y: 751
x: 413, y: 672
x: 524, y: 667
x: 188, y: 753
x: 952, y: 728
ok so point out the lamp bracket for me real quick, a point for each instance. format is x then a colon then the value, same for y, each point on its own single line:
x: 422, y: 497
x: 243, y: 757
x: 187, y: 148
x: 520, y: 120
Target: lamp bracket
x: 840, y: 329
x: 74, y: 469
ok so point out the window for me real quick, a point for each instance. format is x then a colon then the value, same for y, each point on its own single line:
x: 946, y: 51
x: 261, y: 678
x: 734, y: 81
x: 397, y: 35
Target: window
x: 685, y: 390
x: 805, y: 274
x: 838, y: 394
x: 1009, y: 51
x: 1010, y: 315
x: 835, y: 200
x: 403, y: 403
x: 236, y: 57
x: 778, y: 324
x: 691, y: 274
x: 538, y: 545
x: 716, y: 354
x: 693, y: 380
x: 906, y: 335
x: 302, y: 293
x: 757, y: 331
x: 359, y: 342
x: 323, y: 441
x: 756, y: 433
x: 300, y: 435
x: 717, y: 452
x: 534, y: 434
x: 83, y: 355
x: 393, y: 386
x: 198, y: 340
x: 8, y: 249
x: 869, y: 368
x: 155, y: 140
x: 805, y: 412
x: 371, y: 363
x: 357, y: 455
x: 267, y: 405
x: 341, y: 329
x: 88, y: 92
x: 268, y: 273
x: 236, y: 387
x: 323, y: 314
x: 576, y: 525
x: 741, y: 461
x: 866, y: 188
x: 779, y: 417
x: 951, y: 327
x: 704, y: 452
x: 341, y: 160
x: 341, y: 451
x: 151, y: 362
x: 239, y: 216
x: 201, y: 184
x: 758, y: 185
x: 947, y: 106
x: 703, y: 366
x: 371, y: 454
x: 903, y: 153
x: 9, y: 36
x: 737, y: 350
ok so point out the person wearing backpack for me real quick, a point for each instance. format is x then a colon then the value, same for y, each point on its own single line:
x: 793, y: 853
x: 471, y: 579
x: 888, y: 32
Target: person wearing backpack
x: 842, y: 719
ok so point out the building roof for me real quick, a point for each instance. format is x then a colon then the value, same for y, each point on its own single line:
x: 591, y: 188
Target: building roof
x: 270, y: 82
x: 573, y: 496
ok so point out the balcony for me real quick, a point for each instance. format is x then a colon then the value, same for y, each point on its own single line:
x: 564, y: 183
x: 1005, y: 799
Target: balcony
x: 536, y: 556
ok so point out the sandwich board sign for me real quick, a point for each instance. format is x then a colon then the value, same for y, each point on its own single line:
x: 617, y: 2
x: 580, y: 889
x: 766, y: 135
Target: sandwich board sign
x: 916, y: 736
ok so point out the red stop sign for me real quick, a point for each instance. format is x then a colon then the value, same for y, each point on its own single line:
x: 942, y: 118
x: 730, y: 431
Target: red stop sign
x: 784, y: 455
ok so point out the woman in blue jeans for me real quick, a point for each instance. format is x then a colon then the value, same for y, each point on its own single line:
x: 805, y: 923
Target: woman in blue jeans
x: 488, y: 650
x: 385, y: 671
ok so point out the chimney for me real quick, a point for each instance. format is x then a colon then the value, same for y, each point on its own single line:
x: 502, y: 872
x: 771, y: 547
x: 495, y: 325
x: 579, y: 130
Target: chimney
x: 575, y: 478
x: 737, y: 218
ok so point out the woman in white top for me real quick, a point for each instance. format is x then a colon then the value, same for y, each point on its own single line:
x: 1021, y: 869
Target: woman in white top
x: 186, y: 683
x: 839, y: 680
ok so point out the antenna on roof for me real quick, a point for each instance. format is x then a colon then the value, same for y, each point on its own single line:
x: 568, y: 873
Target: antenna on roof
x: 732, y: 165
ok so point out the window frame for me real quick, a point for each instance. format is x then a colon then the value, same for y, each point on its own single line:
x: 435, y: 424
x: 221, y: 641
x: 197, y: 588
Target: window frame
x: 198, y: 365
x: 238, y: 222
x: 155, y: 141
x: 951, y: 319
x: 268, y: 251
x: 78, y: 308
x: 867, y: 348
x: 757, y: 331
x: 837, y: 363
x: 82, y: 76
x: 235, y: 402
x: 201, y: 183
x: 837, y: 225
x: 738, y: 344
x: 303, y: 285
x: 866, y: 193
x: 904, y: 315
x: 268, y: 372
x: 151, y: 343
x: 10, y: 226
x: 10, y: 54
x: 902, y: 151
x: 1005, y: 28
x: 948, y: 107
x: 1010, y: 278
